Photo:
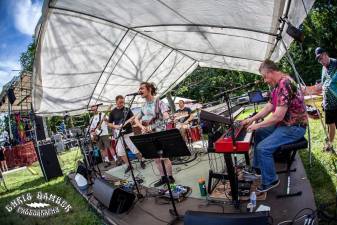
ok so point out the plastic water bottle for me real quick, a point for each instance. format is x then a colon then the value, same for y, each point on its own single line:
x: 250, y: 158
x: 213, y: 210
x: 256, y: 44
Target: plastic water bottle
x: 253, y: 198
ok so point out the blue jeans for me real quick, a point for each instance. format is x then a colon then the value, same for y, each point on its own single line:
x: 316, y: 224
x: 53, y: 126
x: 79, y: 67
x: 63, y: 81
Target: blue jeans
x: 266, y: 141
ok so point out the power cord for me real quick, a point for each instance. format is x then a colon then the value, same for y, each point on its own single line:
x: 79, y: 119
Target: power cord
x: 309, y: 219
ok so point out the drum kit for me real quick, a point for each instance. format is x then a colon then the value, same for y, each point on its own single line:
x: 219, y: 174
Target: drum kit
x: 191, y: 131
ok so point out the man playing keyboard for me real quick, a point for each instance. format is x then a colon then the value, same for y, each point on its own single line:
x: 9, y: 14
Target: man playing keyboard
x: 286, y: 124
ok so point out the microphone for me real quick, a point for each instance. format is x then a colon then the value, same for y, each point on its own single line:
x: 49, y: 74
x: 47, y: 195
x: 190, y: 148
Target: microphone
x: 134, y: 94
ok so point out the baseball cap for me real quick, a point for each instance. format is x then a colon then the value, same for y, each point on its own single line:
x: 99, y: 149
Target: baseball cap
x: 319, y: 51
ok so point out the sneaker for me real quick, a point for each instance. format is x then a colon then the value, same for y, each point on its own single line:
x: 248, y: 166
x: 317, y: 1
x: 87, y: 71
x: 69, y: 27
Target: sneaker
x: 171, y: 180
x: 265, y: 188
x: 252, y: 171
x: 107, y: 164
x: 119, y: 162
x: 127, y: 169
x: 142, y: 164
x: 329, y: 148
x: 160, y: 182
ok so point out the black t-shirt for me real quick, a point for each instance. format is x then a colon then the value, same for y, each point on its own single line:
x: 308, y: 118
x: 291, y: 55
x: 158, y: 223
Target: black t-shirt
x: 116, y: 117
x: 186, y: 110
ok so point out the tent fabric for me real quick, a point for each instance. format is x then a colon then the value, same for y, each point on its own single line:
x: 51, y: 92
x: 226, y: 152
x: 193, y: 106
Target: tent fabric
x: 90, y: 51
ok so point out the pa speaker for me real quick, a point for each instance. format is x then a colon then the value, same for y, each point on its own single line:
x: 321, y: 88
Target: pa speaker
x: 40, y: 134
x: 211, y: 218
x: 49, y: 162
x: 115, y: 199
x: 11, y: 96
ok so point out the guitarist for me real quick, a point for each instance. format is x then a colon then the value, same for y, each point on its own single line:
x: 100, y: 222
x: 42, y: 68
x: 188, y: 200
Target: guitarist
x: 154, y: 110
x: 102, y: 139
x: 115, y: 121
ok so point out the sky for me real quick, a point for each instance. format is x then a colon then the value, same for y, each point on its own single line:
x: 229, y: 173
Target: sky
x: 18, y: 19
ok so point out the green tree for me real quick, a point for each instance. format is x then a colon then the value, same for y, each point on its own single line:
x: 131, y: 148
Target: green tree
x: 27, y: 57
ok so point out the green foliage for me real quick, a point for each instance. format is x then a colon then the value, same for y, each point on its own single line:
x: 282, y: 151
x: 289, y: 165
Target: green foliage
x: 320, y: 29
x: 204, y: 83
x: 27, y: 57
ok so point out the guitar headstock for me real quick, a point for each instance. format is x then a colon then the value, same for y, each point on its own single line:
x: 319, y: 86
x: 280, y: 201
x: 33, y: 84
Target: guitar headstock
x: 110, y: 107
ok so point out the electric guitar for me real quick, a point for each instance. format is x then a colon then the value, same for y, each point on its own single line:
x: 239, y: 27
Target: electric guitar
x: 96, y: 133
x: 154, y: 126
x: 118, y: 130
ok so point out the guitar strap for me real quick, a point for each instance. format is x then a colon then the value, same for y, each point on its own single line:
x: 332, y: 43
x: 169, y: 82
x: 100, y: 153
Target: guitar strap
x: 99, y: 120
x: 158, y: 112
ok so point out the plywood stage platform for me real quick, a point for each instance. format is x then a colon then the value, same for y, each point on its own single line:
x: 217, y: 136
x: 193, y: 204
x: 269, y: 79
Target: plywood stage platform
x: 150, y: 212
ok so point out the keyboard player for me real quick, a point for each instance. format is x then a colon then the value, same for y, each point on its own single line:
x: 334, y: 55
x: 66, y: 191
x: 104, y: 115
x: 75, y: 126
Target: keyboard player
x: 287, y: 123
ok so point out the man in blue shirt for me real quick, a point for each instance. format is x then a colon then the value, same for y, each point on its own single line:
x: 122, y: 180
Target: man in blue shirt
x: 328, y: 86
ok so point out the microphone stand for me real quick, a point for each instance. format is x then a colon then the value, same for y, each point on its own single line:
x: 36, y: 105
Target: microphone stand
x: 120, y: 137
x: 92, y: 161
x: 224, y: 93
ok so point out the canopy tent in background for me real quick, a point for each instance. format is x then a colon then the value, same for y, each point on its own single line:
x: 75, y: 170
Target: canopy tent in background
x: 90, y: 51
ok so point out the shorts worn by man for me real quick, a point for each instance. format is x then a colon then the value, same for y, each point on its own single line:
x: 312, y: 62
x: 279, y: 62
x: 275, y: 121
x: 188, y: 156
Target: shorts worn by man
x: 287, y: 123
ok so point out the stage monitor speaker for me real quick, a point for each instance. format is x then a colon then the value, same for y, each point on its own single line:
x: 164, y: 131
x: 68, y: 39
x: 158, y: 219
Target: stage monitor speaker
x: 11, y: 96
x: 40, y: 132
x: 115, y: 199
x: 49, y: 162
x: 211, y: 218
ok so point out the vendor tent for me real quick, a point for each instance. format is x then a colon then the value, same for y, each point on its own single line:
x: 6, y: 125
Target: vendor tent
x: 90, y: 51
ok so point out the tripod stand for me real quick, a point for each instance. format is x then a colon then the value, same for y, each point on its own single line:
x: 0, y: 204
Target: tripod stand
x: 89, y: 162
x: 163, y: 145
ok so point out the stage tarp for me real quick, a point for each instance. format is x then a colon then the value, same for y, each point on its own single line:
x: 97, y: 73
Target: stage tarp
x: 90, y: 51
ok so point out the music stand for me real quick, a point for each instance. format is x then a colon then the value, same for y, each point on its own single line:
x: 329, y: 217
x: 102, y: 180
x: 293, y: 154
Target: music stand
x: 163, y: 144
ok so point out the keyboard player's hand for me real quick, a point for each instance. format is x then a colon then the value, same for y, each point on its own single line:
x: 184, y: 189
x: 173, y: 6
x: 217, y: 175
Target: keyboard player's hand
x: 253, y: 127
x: 247, y: 122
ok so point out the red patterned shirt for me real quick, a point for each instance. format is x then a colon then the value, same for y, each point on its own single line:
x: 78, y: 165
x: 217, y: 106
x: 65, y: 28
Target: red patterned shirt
x: 286, y: 93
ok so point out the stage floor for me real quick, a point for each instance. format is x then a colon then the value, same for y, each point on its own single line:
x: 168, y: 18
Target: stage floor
x: 149, y: 212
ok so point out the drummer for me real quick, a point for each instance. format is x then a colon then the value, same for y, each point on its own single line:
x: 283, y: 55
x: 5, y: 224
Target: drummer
x: 182, y: 118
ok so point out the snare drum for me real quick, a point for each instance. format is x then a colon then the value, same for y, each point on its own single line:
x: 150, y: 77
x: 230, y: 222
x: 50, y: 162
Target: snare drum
x: 194, y: 133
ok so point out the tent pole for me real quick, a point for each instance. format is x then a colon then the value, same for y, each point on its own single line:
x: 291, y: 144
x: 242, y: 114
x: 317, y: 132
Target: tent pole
x: 299, y: 79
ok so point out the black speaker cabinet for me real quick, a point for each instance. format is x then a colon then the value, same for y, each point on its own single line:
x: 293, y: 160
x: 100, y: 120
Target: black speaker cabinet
x: 115, y: 199
x: 212, y: 218
x: 40, y: 134
x: 11, y: 96
x: 49, y: 162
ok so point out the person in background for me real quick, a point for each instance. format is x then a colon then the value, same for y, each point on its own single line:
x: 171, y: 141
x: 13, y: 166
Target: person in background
x: 182, y: 118
x: 327, y: 86
x: 3, y: 159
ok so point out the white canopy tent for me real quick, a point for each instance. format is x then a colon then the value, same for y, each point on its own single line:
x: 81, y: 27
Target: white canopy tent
x: 90, y: 51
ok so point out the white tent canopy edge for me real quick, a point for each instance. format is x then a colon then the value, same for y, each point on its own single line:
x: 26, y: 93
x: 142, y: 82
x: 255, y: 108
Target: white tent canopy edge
x: 88, y: 53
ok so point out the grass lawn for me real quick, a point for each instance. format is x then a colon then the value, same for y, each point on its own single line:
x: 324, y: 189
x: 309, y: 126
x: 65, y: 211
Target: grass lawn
x: 24, y: 181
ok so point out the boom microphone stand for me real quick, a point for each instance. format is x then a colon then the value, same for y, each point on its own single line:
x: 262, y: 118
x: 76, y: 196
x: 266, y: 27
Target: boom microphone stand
x: 120, y: 137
